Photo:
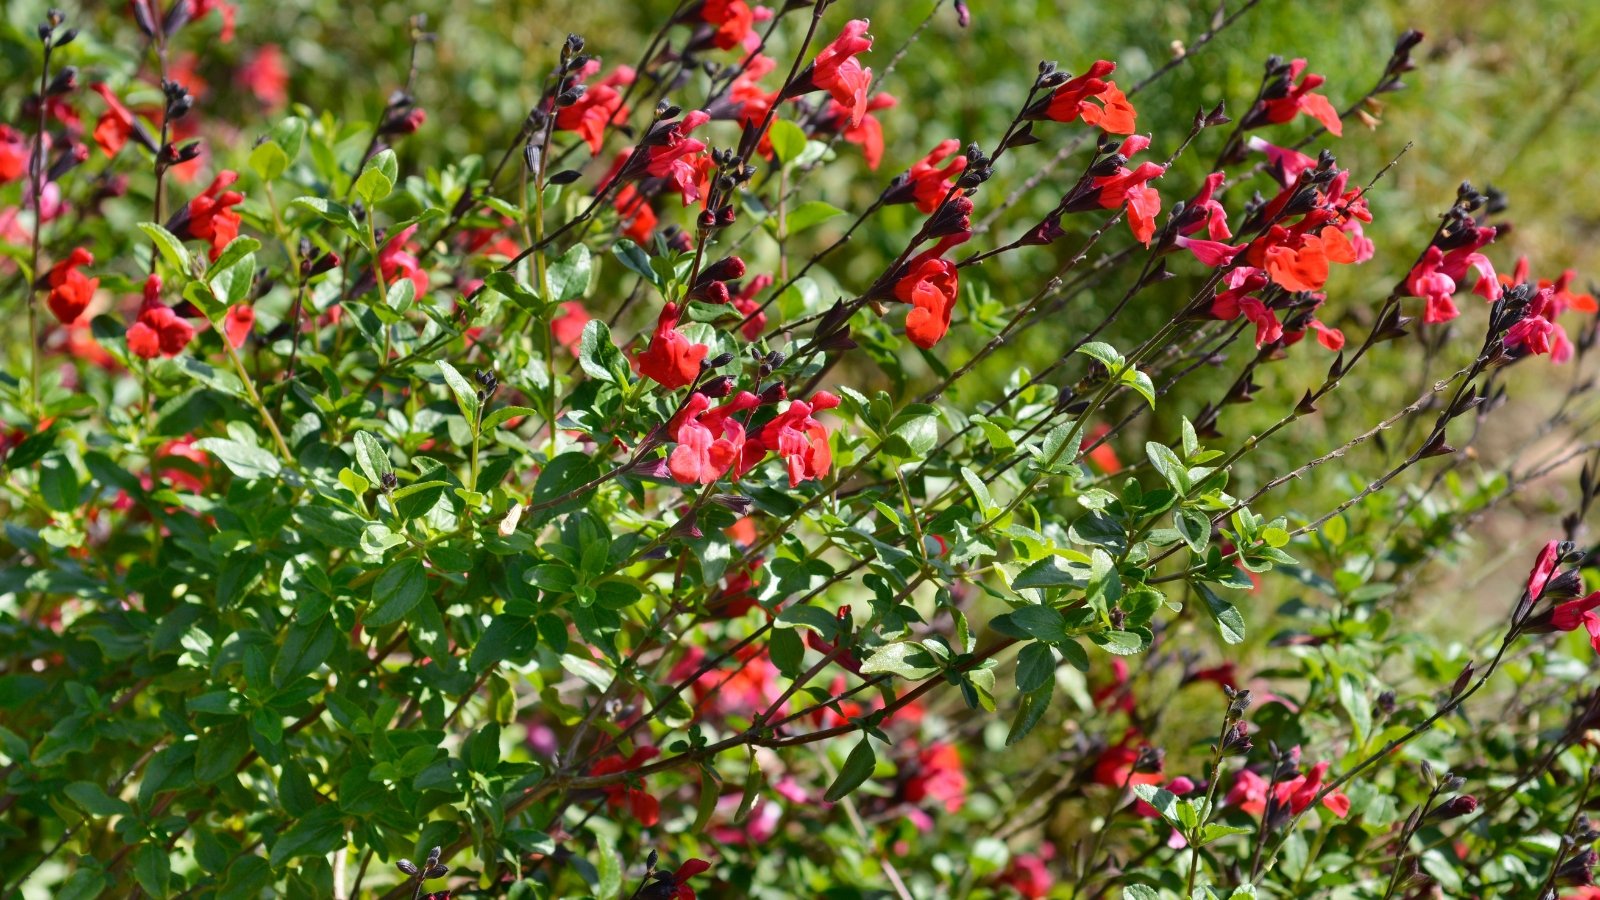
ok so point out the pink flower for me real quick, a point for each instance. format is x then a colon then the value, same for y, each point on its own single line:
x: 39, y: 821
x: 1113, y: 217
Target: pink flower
x: 396, y: 260
x: 709, y: 440
x: 936, y: 774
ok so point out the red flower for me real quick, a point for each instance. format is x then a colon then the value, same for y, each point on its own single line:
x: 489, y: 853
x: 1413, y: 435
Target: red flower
x: 1214, y: 254
x: 800, y: 439
x: 867, y: 133
x: 1212, y: 216
x: 117, y: 125
x: 681, y: 159
x: 670, y: 359
x: 567, y: 327
x: 1428, y: 281
x: 1543, y: 568
x: 641, y: 805
x: 1114, y: 768
x: 732, y: 19
x: 635, y: 214
x: 1102, y: 457
x: 936, y: 775
x: 13, y: 154
x: 1299, y: 99
x: 1538, y: 332
x: 396, y: 260
x: 600, y: 105
x: 927, y: 184
x: 929, y: 285
x: 680, y: 878
x: 1070, y: 101
x: 210, y: 216
x: 836, y: 70
x: 236, y: 325
x: 709, y: 440
x: 158, y: 330
x: 1029, y: 874
x: 1235, y: 301
x: 1131, y: 186
x: 1284, y: 164
x: 199, y: 9
x: 264, y: 75
x: 1298, y: 261
x: 745, y: 302
x: 1249, y: 793
x: 70, y: 289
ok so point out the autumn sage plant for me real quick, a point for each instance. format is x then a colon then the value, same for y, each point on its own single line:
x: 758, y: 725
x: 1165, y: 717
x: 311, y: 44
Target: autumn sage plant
x: 692, y: 491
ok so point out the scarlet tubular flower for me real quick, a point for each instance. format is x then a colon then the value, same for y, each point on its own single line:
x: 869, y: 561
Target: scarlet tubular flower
x: 836, y: 71
x: 732, y: 19
x: 236, y: 325
x: 1428, y: 280
x: 1294, y: 796
x: 937, y: 775
x: 680, y: 159
x: 1132, y: 186
x: 671, y: 359
x: 1298, y: 98
x: 567, y: 327
x: 867, y: 133
x: 1071, y: 101
x: 70, y: 289
x: 158, y: 331
x: 13, y: 154
x: 1237, y: 300
x: 118, y: 125
x: 1208, y: 212
x: 600, y: 105
x: 930, y: 285
x: 199, y: 9
x: 745, y: 303
x: 1537, y: 331
x: 265, y: 76
x: 619, y: 796
x: 396, y: 260
x: 679, y: 879
x: 210, y: 216
x: 927, y: 183
x: 800, y: 439
x: 709, y: 440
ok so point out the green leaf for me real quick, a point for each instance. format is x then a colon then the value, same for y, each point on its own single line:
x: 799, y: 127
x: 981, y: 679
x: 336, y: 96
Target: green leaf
x: 1036, y: 665
x: 856, y: 770
x: 338, y: 214
x: 58, y: 482
x: 1225, y: 614
x: 635, y: 260
x: 1141, y: 385
x: 788, y: 140
x: 905, y: 659
x: 372, y: 457
x: 268, y: 160
x: 504, y: 414
x: 1038, y: 621
x: 569, y: 274
x: 94, y: 799
x: 1353, y: 697
x: 152, y: 869
x: 506, y: 637
x: 1167, y: 463
x: 1106, y: 354
x: 396, y: 591
x: 316, y: 834
x: 237, y: 249
x: 787, y: 651
x: 466, y: 395
x: 599, y: 357
x: 246, y: 461
x: 1048, y: 573
x: 232, y: 284
x: 172, y: 249
x: 810, y: 214
x: 378, y: 177
x: 1030, y: 711
x: 1139, y: 892
x: 913, y: 433
x: 1195, y: 528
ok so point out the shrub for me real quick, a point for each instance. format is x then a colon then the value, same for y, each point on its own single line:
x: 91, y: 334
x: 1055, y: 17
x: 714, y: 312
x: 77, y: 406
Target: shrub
x: 588, y: 510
